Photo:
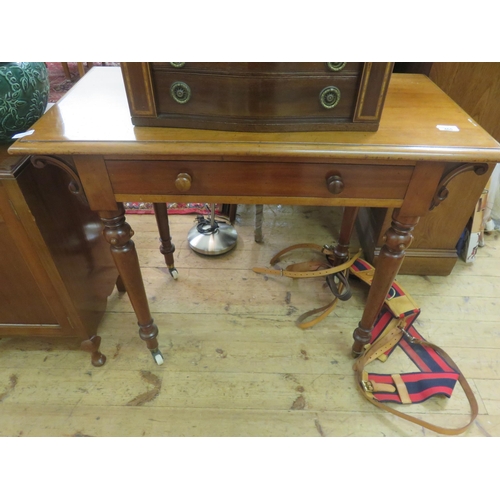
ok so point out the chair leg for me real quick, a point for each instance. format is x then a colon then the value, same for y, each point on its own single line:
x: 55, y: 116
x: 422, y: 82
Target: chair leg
x: 66, y: 70
x: 229, y: 211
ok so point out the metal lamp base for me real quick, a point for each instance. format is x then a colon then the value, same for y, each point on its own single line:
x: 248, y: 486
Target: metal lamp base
x: 212, y: 240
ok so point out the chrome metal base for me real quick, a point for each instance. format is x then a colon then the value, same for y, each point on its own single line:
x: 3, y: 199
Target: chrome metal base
x: 212, y: 240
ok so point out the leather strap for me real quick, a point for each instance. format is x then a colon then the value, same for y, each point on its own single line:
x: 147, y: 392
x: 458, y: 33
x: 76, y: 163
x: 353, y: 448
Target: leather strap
x: 385, y: 343
x: 280, y: 254
x: 309, y: 270
x: 325, y: 309
x: 401, y: 387
x: 304, y: 274
x: 343, y: 290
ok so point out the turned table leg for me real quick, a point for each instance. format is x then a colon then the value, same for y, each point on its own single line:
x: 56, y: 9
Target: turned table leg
x: 120, y: 285
x: 259, y: 215
x: 397, y: 239
x: 341, y: 250
x: 338, y: 282
x: 118, y: 234
x: 166, y: 246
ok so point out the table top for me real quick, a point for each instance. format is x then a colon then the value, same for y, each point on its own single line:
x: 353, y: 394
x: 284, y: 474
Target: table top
x: 419, y: 123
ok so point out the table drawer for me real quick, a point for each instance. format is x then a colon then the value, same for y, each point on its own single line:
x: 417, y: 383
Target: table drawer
x: 248, y: 97
x: 226, y: 179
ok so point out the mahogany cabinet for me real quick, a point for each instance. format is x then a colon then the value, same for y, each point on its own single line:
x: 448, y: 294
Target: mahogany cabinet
x: 257, y: 96
x: 56, y: 270
x: 475, y: 87
x: 433, y: 250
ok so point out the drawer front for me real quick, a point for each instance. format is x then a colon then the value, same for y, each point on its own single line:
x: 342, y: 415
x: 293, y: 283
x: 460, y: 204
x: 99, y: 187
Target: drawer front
x: 253, y: 97
x: 259, y: 68
x: 150, y: 177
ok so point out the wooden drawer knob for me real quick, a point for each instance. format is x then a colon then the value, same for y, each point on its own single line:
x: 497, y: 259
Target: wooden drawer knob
x: 335, y: 184
x: 183, y: 182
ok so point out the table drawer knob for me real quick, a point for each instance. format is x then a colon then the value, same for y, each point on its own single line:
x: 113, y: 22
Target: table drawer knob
x: 329, y: 97
x: 332, y: 66
x: 183, y: 182
x: 180, y: 92
x: 181, y: 65
x: 335, y: 184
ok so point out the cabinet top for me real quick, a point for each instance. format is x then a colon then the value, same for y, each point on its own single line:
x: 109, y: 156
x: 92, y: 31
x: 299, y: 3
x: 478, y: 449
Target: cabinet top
x: 419, y: 123
x: 9, y: 165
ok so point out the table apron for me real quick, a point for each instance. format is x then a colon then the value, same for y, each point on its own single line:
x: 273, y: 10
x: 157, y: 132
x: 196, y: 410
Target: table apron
x: 260, y: 182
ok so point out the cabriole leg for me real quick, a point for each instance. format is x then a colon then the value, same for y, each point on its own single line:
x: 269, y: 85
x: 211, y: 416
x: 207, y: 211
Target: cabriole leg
x: 92, y: 345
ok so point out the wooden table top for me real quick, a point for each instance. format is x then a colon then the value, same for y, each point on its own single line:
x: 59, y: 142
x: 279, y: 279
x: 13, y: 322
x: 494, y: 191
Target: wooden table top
x: 94, y: 118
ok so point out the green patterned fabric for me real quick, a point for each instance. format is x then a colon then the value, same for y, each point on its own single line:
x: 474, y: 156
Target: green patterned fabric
x: 24, y: 93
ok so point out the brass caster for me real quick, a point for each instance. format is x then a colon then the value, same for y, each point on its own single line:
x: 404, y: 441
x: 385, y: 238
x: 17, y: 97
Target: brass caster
x: 157, y: 356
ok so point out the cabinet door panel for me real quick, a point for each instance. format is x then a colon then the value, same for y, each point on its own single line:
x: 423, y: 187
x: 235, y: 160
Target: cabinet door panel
x: 21, y: 301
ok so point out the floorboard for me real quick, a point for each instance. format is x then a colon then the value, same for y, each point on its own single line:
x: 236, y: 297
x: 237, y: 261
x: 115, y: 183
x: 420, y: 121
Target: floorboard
x: 235, y: 363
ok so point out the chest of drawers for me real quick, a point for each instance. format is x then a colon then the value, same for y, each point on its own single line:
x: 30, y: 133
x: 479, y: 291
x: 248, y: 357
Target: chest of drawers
x: 257, y: 97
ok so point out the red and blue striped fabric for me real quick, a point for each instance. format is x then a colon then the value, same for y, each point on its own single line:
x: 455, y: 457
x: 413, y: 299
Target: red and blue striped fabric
x: 436, y: 377
x: 420, y: 386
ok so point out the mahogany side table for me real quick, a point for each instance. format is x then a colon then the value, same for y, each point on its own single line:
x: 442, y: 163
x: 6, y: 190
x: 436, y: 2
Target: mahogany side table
x: 424, y: 140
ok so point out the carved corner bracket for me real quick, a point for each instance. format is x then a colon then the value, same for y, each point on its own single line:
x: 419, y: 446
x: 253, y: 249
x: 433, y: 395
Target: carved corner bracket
x: 75, y: 186
x: 442, y: 190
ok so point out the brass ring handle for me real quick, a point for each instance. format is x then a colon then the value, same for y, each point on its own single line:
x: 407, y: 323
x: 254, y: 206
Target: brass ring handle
x: 329, y: 97
x: 335, y: 184
x: 336, y: 66
x: 183, y: 182
x: 180, y: 92
x: 177, y: 65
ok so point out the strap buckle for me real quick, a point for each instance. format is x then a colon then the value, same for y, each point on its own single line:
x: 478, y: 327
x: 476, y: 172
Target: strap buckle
x: 409, y: 337
x: 367, y: 385
x: 391, y: 294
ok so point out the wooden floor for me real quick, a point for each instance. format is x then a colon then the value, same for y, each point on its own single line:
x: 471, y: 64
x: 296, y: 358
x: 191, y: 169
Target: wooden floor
x: 235, y: 363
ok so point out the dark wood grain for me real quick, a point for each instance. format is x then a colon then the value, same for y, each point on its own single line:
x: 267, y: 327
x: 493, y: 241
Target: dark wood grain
x: 19, y: 287
x: 407, y: 159
x: 73, y: 235
x: 259, y: 68
x: 250, y: 97
x: 475, y: 87
x: 119, y: 234
x: 397, y: 239
x: 259, y: 179
x: 256, y: 97
x: 167, y: 248
x: 433, y: 252
x: 55, y: 270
